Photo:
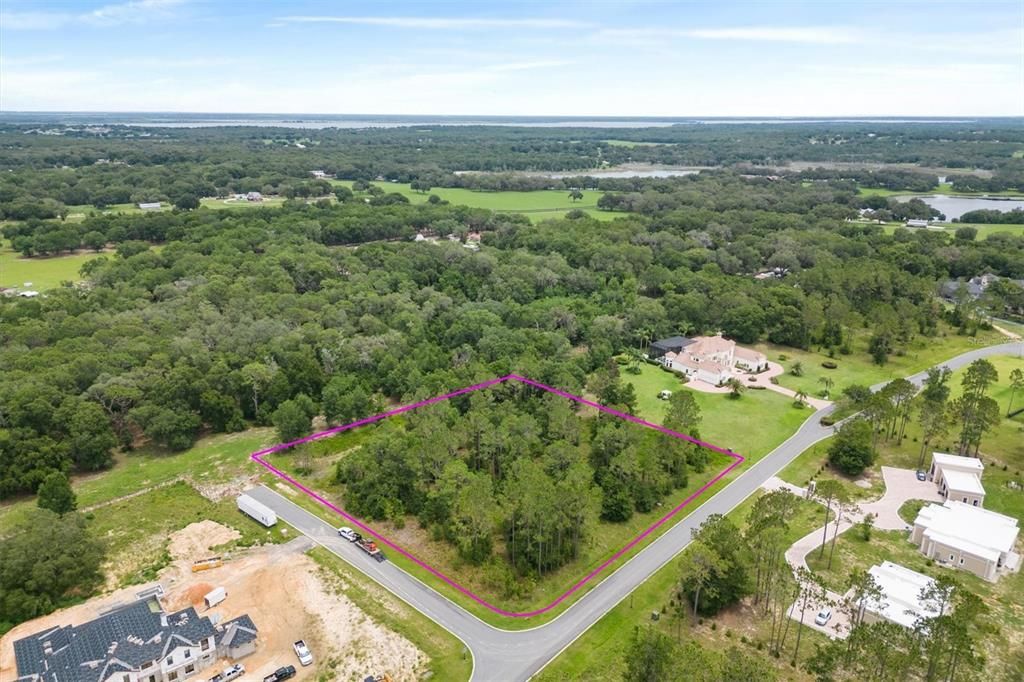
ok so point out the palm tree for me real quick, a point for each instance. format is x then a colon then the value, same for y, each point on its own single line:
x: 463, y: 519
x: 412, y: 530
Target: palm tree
x: 797, y: 369
x: 828, y: 383
x: 735, y: 387
x: 800, y: 398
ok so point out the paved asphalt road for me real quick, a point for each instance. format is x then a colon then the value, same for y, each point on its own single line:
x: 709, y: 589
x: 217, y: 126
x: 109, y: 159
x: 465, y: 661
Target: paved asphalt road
x: 506, y: 655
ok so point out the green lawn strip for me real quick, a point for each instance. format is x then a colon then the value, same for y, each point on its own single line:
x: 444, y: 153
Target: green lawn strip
x: 858, y: 368
x: 44, y: 273
x: 1006, y: 615
x: 909, y: 509
x: 213, y: 459
x: 984, y: 230
x: 449, y: 659
x: 599, y: 653
x: 136, y: 530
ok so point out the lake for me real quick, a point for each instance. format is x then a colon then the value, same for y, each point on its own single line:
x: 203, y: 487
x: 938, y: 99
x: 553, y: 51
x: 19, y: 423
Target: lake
x: 954, y: 207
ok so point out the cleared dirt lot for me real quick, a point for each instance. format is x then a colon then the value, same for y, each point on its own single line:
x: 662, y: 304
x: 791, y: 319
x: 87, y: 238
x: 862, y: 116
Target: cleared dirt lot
x: 284, y: 592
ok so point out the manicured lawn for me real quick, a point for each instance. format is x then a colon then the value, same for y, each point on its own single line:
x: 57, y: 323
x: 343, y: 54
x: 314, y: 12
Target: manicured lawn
x: 857, y: 368
x: 44, y: 273
x: 223, y: 204
x: 753, y: 425
x: 908, y: 510
x: 538, y: 205
x: 599, y: 653
x: 984, y: 229
x: 449, y: 659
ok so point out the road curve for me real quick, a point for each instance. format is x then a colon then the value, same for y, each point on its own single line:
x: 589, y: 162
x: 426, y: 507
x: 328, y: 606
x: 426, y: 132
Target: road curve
x: 502, y: 655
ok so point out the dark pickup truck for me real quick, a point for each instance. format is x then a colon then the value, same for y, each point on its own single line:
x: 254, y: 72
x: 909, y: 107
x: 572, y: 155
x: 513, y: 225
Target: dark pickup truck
x: 284, y: 673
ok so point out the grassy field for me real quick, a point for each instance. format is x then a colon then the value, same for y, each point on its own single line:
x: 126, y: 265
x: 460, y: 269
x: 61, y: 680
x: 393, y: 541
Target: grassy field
x: 449, y: 659
x: 857, y: 368
x: 538, y: 205
x: 985, y: 230
x: 598, y: 654
x: 812, y: 464
x: 136, y: 529
x: 44, y: 273
x: 213, y: 460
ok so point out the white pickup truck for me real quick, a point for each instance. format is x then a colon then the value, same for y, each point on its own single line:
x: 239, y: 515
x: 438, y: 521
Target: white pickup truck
x: 303, y: 652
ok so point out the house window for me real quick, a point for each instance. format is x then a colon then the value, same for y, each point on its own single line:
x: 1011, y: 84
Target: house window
x: 152, y: 678
x: 188, y: 653
x: 189, y: 669
x: 126, y: 678
x: 975, y: 503
x: 950, y: 557
x: 173, y: 676
x: 205, y: 645
x: 961, y: 561
x: 965, y: 500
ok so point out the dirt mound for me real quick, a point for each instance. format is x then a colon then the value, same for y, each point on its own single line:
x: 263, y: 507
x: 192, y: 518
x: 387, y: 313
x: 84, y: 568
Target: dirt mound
x: 195, y: 593
x: 193, y: 542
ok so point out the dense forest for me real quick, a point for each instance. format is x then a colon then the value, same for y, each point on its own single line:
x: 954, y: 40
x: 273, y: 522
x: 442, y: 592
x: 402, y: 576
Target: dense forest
x: 55, y: 166
x: 524, y: 461
x: 238, y: 312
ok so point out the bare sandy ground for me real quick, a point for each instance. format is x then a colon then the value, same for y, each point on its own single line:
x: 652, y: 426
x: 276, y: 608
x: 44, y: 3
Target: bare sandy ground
x: 284, y: 593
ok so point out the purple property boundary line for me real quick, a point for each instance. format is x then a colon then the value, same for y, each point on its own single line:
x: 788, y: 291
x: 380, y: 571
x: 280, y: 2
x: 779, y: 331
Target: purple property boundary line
x: 738, y: 459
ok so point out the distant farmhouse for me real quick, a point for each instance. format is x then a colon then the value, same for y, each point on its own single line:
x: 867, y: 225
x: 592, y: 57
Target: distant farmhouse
x: 134, y: 643
x: 150, y: 206
x: 958, y: 478
x: 253, y: 196
x: 917, y: 222
x: 968, y: 538
x: 900, y: 600
x: 712, y: 359
x: 319, y: 174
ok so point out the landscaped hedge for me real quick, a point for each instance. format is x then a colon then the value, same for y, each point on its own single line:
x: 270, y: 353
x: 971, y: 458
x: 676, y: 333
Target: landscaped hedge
x: 828, y: 364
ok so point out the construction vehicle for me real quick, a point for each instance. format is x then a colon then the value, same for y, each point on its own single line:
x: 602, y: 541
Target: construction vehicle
x: 371, y: 548
x: 303, y: 652
x: 378, y: 678
x: 207, y: 564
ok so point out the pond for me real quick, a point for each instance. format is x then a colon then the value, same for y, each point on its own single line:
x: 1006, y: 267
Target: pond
x: 954, y: 207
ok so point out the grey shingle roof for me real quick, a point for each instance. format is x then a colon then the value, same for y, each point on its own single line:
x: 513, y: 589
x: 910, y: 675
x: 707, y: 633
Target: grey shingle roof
x: 123, y: 639
x: 237, y: 632
x: 672, y: 343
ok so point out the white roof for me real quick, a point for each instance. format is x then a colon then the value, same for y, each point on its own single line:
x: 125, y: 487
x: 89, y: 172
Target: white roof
x: 963, y: 482
x: 972, y: 529
x: 961, y: 463
x: 901, y: 594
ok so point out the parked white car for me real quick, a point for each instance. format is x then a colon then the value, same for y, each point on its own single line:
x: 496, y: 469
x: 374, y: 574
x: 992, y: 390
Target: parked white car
x: 823, y: 616
x: 229, y: 673
x: 303, y: 652
x: 347, y: 533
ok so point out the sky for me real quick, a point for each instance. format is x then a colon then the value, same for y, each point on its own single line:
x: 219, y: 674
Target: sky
x: 481, y: 57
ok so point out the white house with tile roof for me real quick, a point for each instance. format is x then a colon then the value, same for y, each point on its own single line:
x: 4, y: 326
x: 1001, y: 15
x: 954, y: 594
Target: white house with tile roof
x: 712, y: 359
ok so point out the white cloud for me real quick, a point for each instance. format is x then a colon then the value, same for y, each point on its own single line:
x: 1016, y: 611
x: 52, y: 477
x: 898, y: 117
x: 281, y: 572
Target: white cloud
x: 449, y: 23
x: 132, y: 12
x: 810, y: 35
x: 34, y: 60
